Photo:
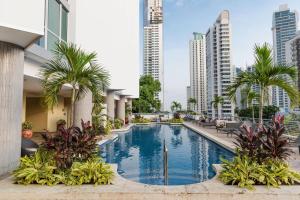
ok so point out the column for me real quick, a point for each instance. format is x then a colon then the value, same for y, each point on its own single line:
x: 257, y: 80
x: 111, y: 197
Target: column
x: 129, y: 103
x: 11, y: 90
x: 121, y: 108
x: 110, y: 102
x: 83, y: 109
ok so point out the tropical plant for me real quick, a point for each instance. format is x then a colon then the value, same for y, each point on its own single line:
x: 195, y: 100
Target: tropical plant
x: 26, y: 125
x: 128, y: 110
x: 74, y: 67
x: 147, y: 102
x: 38, y: 169
x: 138, y: 119
x: 218, y: 101
x: 265, y: 142
x: 98, y: 118
x: 71, y: 145
x: 275, y: 144
x: 175, y: 106
x: 93, y: 171
x: 108, y: 127
x: 246, y: 172
x: 193, y: 101
x: 266, y: 75
x: 118, y: 123
x: 249, y: 143
x: 41, y: 169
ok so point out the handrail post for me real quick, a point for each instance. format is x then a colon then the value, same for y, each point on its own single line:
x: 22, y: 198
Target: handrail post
x: 165, y: 157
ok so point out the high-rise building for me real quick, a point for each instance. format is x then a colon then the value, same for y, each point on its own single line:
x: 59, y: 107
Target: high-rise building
x: 153, y: 43
x: 219, y: 69
x: 293, y: 54
x: 284, y: 28
x: 188, y: 96
x: 198, y: 72
x: 27, y: 38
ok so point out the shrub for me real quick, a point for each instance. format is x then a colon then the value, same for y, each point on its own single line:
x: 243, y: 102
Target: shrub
x: 176, y: 115
x: 249, y: 142
x: 267, y: 142
x: 118, y: 123
x: 140, y: 120
x: 38, y: 169
x: 246, y: 172
x: 174, y: 120
x: 275, y: 144
x: 71, y: 144
x: 41, y: 169
x: 93, y: 171
x: 108, y: 127
x: 26, y: 125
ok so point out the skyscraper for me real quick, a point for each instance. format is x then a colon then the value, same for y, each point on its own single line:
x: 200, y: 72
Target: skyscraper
x: 293, y: 54
x: 153, y: 43
x: 284, y: 28
x: 218, y: 65
x: 188, y: 96
x: 198, y: 72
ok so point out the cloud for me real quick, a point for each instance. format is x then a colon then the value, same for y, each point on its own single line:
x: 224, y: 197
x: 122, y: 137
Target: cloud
x: 178, y: 3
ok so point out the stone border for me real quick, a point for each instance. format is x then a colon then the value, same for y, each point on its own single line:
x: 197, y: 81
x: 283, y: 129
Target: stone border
x: 227, y: 145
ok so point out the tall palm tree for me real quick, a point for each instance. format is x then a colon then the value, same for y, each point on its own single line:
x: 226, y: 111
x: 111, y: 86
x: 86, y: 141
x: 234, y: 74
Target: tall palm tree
x: 265, y: 75
x: 218, y: 100
x: 74, y: 67
x: 250, y: 96
x: 175, y: 106
x: 193, y: 101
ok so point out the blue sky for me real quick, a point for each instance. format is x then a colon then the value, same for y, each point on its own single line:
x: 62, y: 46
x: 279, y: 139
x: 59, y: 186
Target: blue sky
x: 251, y: 22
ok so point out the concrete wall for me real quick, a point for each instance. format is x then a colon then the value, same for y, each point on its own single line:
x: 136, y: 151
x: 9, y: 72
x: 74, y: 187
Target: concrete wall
x: 36, y: 114
x: 11, y: 90
x: 115, y: 38
x: 58, y: 112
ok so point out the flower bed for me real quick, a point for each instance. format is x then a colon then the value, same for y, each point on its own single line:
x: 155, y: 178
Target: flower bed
x: 70, y: 157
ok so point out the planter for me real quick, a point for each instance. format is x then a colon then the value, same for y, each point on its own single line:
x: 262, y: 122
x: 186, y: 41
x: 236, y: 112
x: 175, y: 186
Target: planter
x: 27, y: 134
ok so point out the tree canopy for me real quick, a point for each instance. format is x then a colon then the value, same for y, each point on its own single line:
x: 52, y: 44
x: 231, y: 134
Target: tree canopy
x: 147, y: 102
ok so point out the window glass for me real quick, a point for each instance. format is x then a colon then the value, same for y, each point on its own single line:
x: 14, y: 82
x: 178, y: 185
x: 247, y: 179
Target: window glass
x: 53, y: 16
x: 64, y: 25
x: 52, y: 40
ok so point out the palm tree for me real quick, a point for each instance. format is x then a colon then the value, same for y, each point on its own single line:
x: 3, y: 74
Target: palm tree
x: 175, y: 106
x: 193, y: 101
x: 265, y: 75
x: 218, y: 100
x: 74, y: 67
x: 250, y: 96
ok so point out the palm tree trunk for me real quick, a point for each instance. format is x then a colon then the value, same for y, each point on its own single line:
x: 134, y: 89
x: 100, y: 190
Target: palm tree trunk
x: 261, y: 105
x: 72, y: 107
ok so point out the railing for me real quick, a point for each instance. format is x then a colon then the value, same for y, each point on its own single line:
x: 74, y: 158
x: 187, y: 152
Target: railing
x: 165, y: 156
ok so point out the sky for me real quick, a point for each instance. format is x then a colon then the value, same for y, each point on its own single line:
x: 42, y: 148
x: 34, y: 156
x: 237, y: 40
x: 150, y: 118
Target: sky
x: 251, y: 22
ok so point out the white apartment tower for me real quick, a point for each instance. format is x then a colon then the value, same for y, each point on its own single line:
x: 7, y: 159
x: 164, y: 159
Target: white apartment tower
x: 218, y: 66
x: 153, y: 43
x: 198, y: 72
x: 284, y: 29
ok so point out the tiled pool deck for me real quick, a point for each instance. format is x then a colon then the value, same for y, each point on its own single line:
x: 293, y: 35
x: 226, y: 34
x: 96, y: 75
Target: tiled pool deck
x: 126, y: 189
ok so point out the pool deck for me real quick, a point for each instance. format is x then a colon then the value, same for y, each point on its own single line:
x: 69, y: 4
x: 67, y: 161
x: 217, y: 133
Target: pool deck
x: 126, y: 189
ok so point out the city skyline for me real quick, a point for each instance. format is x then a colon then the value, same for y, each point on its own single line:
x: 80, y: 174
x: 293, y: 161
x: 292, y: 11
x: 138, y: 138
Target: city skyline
x: 182, y: 18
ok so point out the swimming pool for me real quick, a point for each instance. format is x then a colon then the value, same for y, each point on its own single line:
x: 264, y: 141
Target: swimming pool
x: 139, y: 155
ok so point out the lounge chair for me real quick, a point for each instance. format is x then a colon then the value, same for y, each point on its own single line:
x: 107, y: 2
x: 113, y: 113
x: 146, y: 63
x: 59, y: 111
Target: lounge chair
x: 28, y: 147
x: 211, y: 123
x: 231, y: 128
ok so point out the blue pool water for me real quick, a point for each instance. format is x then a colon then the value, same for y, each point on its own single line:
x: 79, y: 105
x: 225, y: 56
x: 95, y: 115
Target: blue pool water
x: 139, y: 155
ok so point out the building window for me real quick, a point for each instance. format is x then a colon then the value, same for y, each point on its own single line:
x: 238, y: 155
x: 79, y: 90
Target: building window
x: 56, y: 25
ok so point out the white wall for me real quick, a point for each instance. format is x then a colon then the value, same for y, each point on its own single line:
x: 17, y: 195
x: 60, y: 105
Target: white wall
x: 21, y: 22
x: 111, y: 28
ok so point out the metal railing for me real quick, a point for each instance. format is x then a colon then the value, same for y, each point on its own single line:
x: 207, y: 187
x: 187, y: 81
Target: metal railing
x: 165, y: 157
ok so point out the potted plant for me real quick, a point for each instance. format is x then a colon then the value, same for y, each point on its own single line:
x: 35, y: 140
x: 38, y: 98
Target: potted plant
x: 60, y: 123
x: 27, y: 129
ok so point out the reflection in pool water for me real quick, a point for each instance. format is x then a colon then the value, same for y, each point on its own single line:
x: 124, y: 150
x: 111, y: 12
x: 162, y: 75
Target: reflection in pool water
x: 138, y: 154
